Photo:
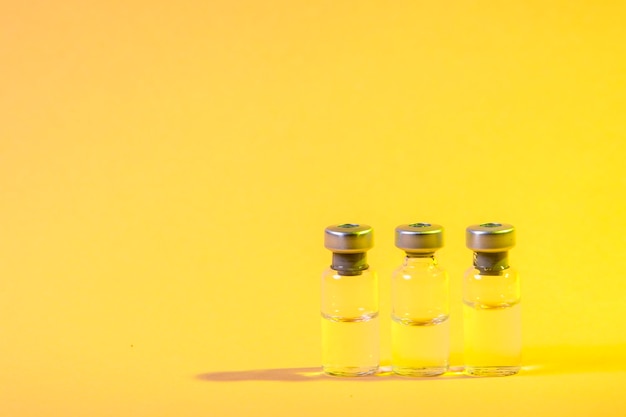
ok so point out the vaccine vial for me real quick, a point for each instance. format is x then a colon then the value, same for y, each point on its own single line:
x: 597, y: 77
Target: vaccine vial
x: 349, y: 303
x: 491, y: 296
x: 420, y: 305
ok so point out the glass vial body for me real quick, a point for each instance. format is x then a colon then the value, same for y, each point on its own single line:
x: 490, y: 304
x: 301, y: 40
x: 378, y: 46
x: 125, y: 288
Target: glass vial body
x: 491, y: 311
x: 420, y: 325
x: 349, y: 304
x: 419, y: 304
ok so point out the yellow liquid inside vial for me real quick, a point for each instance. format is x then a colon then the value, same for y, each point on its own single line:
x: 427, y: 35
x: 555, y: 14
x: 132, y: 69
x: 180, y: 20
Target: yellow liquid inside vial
x: 350, y: 347
x: 492, y: 340
x: 420, y: 349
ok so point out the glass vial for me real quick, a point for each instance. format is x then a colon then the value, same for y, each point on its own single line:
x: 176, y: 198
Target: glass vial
x: 350, y: 328
x: 491, y: 296
x: 419, y: 291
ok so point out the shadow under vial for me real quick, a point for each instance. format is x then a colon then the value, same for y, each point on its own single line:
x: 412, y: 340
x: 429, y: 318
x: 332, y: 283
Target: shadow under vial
x: 537, y: 362
x: 279, y: 374
x: 311, y: 374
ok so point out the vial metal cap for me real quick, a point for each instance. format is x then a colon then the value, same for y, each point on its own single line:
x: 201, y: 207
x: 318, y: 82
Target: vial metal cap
x: 419, y: 237
x: 490, y: 237
x: 348, y: 238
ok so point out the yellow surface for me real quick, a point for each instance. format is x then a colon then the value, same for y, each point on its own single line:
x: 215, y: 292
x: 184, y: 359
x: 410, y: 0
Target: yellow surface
x: 167, y: 169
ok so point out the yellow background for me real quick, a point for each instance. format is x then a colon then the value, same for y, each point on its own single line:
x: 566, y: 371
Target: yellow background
x: 167, y: 169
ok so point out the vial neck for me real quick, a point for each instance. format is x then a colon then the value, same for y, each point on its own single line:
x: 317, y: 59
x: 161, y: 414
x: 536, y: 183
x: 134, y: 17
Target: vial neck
x: 491, y: 263
x: 420, y: 258
x: 350, y: 263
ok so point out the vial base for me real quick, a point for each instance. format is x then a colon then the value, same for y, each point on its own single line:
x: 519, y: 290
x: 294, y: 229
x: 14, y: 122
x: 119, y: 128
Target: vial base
x: 350, y: 346
x: 420, y: 372
x: 350, y: 371
x: 420, y: 349
x: 491, y: 370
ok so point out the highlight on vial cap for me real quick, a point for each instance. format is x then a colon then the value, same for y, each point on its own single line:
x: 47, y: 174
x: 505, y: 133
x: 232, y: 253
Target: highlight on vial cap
x: 348, y: 238
x: 490, y: 237
x: 419, y: 237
